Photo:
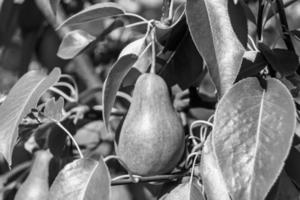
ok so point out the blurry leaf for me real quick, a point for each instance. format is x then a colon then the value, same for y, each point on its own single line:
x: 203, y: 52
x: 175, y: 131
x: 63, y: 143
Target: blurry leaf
x: 186, y: 191
x: 53, y: 109
x: 284, y: 189
x: 252, y: 135
x: 73, y: 43
x: 127, y: 59
x: 284, y: 61
x: 21, y: 99
x: 8, y: 21
x: 219, y: 31
x: 94, y: 12
x: 253, y: 63
x: 83, y: 179
x: 54, y: 5
x: 212, y: 178
x: 48, y: 8
x: 296, y: 34
x: 186, y: 65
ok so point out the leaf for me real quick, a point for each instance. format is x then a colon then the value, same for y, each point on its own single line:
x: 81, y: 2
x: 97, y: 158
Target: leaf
x: 296, y: 34
x: 54, y: 6
x: 127, y: 59
x: 293, y: 160
x: 83, y: 179
x: 186, y: 191
x: 212, y: 178
x: 186, y: 66
x: 73, y: 43
x: 219, y: 31
x: 49, y: 8
x: 284, y: 61
x: 94, y: 12
x: 53, y: 109
x: 253, y: 63
x: 21, y: 99
x: 284, y: 189
x: 252, y: 135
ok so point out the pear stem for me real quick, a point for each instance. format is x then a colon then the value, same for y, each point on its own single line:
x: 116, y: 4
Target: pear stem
x: 70, y: 135
x: 153, y: 50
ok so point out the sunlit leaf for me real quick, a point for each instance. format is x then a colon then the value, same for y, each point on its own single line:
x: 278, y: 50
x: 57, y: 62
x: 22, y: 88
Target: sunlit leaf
x: 73, y: 43
x: 94, y: 12
x: 219, y: 31
x: 83, y: 179
x: 212, y: 178
x: 252, y: 135
x: 21, y: 99
x: 127, y: 59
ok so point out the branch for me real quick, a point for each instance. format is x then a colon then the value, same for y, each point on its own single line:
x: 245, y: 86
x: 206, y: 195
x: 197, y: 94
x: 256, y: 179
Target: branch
x: 284, y: 25
x: 259, y: 22
x: 167, y: 12
x: 157, y: 178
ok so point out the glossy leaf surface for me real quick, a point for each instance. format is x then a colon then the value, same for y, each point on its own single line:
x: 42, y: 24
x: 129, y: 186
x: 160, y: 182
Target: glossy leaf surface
x: 83, y: 179
x: 212, y: 178
x: 252, y: 135
x: 21, y: 99
x: 127, y: 59
x: 219, y: 31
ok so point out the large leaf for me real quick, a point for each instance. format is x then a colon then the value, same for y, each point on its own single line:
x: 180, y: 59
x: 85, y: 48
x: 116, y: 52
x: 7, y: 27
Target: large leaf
x: 95, y: 12
x: 252, y: 135
x: 127, y: 59
x: 212, y: 178
x: 83, y: 179
x: 219, y: 31
x: 21, y: 99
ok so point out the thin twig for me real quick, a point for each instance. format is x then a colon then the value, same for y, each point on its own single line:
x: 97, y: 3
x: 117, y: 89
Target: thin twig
x: 157, y: 178
x: 284, y: 25
x: 259, y: 22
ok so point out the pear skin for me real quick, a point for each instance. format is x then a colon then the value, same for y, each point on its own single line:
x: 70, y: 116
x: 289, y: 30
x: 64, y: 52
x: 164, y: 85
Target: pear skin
x: 152, y: 137
x: 36, y: 185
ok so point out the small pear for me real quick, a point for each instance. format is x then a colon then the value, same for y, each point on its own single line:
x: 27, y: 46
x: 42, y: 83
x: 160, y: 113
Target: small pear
x: 36, y: 185
x: 152, y: 137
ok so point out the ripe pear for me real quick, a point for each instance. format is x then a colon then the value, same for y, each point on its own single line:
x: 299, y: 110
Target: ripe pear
x: 36, y: 185
x: 152, y: 137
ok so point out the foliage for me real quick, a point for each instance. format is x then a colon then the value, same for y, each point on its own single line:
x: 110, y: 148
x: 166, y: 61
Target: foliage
x: 234, y: 86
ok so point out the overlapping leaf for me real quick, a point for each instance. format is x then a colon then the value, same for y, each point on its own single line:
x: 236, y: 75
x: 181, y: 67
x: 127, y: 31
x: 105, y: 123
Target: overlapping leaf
x: 21, y: 99
x: 212, y: 178
x: 83, y: 179
x: 186, y: 191
x: 252, y: 135
x: 95, y: 12
x: 127, y: 59
x: 73, y: 43
x: 219, y: 31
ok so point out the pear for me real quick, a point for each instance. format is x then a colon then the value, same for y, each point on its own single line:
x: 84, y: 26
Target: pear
x: 152, y: 137
x: 36, y: 185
